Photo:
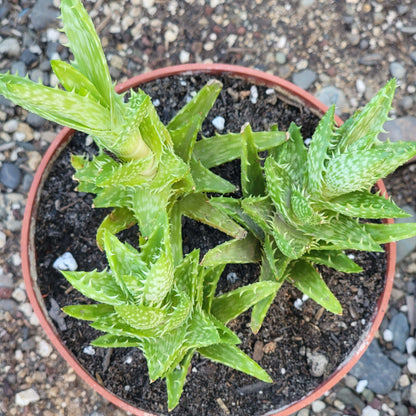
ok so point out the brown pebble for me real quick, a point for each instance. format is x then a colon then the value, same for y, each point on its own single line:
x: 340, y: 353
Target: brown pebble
x: 269, y: 347
x: 258, y: 351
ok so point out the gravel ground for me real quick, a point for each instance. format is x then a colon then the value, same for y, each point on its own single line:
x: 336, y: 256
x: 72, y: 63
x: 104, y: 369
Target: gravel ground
x: 340, y: 51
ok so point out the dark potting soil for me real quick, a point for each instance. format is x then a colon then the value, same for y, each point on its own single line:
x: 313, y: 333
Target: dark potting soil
x: 66, y: 222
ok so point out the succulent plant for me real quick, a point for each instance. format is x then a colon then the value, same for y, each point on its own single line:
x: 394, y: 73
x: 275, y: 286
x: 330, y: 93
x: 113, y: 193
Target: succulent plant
x: 306, y: 206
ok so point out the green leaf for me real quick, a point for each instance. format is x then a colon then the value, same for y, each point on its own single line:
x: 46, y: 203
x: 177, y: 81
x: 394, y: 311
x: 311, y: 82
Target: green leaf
x: 175, y: 380
x: 99, y: 286
x: 304, y: 277
x: 233, y: 208
x: 357, y: 171
x: 88, y: 312
x: 293, y: 153
x: 361, y: 131
x: 69, y: 109
x: 207, y: 181
x: 276, y: 260
x: 364, y: 205
x: 140, y: 316
x: 199, y: 105
x: 246, y: 250
x: 120, y: 219
x: 75, y: 81
x: 318, y: 151
x: 387, y: 233
x: 231, y: 304
x: 159, y: 279
x: 333, y: 258
x: 197, y: 207
x: 176, y: 233
x: 302, y: 209
x: 115, y: 341
x: 201, y: 330
x: 260, y: 209
x: 184, y: 137
x: 279, y: 187
x: 233, y: 357
x: 87, y: 50
x: 219, y: 149
x: 252, y: 179
x: 187, y: 277
x: 211, y: 276
x: 261, y: 308
x: 343, y: 233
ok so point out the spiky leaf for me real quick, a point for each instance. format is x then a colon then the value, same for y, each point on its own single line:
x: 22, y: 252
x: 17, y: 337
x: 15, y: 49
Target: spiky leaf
x: 88, y: 312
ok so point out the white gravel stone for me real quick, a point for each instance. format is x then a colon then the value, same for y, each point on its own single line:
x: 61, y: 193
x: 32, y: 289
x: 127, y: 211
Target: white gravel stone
x: 44, y: 349
x: 411, y: 364
x: 184, y: 56
x: 254, y: 94
x: 89, y: 350
x: 388, y: 335
x: 361, y: 385
x: 19, y: 295
x: 3, y: 239
x: 65, y: 262
x: 298, y: 303
x: 317, y: 364
x: 404, y: 380
x: 359, y: 84
x: 370, y: 411
x: 52, y: 35
x: 219, y: 123
x: 412, y: 394
x: 410, y: 345
x: 318, y: 406
x: 25, y: 397
x: 10, y: 126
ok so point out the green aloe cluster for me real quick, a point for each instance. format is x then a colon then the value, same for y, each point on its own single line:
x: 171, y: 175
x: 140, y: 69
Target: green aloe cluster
x: 305, y: 206
x: 300, y: 207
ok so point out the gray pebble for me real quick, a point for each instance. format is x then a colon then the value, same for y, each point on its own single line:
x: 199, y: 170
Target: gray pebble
x: 413, y: 56
x: 304, y: 79
x: 405, y: 247
x: 399, y: 129
x: 281, y: 58
x: 402, y: 9
x: 307, y: 3
x: 409, y: 30
x: 412, y: 394
x: 364, y: 44
x: 332, y: 95
x: 29, y: 58
x: 401, y: 410
x: 11, y: 126
x: 398, y: 357
x: 35, y: 121
x: 36, y: 75
x: 370, y: 59
x: 397, y: 70
x: 43, y: 14
x: 10, y: 47
x: 6, y: 280
x: 52, y: 50
x: 347, y: 396
x: 317, y: 364
x: 10, y: 175
x: 8, y: 305
x: 4, y: 10
x: 65, y: 262
x: 18, y: 68
x: 375, y: 367
x: 27, y: 181
x: 406, y: 102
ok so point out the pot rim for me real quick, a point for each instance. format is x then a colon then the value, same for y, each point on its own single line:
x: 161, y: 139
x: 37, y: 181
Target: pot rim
x: 283, y: 87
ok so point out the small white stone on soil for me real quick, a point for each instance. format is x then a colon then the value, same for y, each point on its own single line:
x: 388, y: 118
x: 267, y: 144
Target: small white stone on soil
x: 270, y: 91
x: 44, y: 349
x: 232, y: 277
x: 361, y: 385
x: 307, y: 141
x: 156, y: 102
x: 410, y: 345
x: 370, y: 411
x: 388, y: 335
x: 25, y: 397
x: 351, y: 256
x: 26, y: 308
x: 318, y: 406
x: 184, y: 56
x: 65, y: 262
x: 298, y: 304
x: 254, y: 94
x: 283, y: 371
x: 89, y: 350
x: 305, y: 298
x: 411, y: 364
x: 317, y: 364
x: 219, y: 123
x: 128, y: 360
x: 16, y: 259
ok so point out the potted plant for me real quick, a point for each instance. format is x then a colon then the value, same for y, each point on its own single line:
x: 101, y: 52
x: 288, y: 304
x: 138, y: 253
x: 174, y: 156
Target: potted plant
x: 152, y: 296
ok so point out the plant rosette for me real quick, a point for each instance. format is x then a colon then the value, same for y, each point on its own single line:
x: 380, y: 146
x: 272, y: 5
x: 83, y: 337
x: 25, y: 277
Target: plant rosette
x: 289, y: 93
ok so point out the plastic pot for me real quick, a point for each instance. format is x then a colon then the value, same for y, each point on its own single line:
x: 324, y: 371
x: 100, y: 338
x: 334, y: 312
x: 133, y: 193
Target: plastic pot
x: 290, y: 93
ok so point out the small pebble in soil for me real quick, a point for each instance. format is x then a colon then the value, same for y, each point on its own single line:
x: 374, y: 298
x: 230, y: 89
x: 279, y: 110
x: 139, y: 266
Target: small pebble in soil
x: 232, y: 277
x: 65, y: 262
x: 218, y: 123
x: 25, y: 397
x: 89, y: 350
x: 298, y: 303
x: 254, y: 94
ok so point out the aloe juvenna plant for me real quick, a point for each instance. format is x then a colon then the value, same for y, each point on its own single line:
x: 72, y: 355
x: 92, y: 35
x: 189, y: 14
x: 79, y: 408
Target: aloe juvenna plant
x: 306, y: 206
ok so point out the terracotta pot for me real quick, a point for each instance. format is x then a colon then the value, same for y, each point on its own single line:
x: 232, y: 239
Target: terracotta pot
x: 290, y: 93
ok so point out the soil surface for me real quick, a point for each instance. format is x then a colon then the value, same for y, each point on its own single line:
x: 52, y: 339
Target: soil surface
x: 66, y: 222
